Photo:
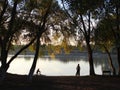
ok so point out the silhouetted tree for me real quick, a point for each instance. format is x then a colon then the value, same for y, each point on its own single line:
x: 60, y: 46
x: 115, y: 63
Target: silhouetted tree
x: 80, y: 12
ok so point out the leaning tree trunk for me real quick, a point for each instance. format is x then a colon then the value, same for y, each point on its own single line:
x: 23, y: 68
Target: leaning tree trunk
x: 118, y: 58
x: 35, y: 59
x: 39, y: 33
x: 110, y: 61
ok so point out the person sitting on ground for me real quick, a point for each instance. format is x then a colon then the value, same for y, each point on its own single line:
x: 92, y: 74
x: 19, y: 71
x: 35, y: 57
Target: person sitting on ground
x: 38, y: 72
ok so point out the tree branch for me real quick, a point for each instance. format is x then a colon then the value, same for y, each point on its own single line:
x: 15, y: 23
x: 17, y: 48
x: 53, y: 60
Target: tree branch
x: 21, y: 51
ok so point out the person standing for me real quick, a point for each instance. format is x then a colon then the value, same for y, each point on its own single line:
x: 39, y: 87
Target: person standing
x: 78, y: 70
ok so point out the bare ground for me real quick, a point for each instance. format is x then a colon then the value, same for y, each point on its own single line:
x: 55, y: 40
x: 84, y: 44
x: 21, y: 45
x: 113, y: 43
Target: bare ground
x: 20, y: 82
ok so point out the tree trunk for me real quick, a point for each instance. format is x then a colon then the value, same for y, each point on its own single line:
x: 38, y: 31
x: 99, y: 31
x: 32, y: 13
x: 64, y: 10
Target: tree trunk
x: 118, y: 34
x: 110, y: 61
x: 90, y: 53
x: 39, y: 33
x: 3, y: 67
x: 3, y: 70
x: 118, y: 58
x: 90, y: 57
x: 4, y: 45
x: 35, y: 59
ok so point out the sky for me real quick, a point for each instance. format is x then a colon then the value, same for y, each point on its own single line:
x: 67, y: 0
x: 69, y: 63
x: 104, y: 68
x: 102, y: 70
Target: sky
x: 59, y: 2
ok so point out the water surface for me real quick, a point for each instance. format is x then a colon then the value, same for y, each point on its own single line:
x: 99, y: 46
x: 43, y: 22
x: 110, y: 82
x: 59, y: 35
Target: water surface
x: 62, y: 65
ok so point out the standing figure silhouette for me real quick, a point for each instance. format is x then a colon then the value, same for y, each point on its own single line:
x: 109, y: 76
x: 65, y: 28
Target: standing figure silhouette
x: 78, y: 70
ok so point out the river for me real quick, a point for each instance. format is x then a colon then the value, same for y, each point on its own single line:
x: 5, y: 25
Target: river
x: 62, y: 65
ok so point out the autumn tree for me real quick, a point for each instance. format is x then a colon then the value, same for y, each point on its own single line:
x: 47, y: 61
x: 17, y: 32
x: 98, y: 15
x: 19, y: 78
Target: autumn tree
x: 6, y: 37
x: 104, y: 39
x: 50, y: 23
x: 115, y: 11
x: 109, y: 25
x: 41, y: 30
x: 10, y: 24
x: 81, y: 13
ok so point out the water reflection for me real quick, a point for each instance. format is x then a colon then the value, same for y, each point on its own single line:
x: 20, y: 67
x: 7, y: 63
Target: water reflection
x: 62, y: 65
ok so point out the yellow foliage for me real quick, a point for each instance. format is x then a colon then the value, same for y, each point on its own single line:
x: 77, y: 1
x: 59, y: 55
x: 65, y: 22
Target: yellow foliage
x: 31, y: 48
x: 57, y: 36
x: 41, y: 52
x: 52, y: 55
x: 57, y: 50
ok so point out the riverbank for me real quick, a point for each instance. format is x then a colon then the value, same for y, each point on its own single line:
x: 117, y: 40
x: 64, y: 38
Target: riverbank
x: 20, y: 82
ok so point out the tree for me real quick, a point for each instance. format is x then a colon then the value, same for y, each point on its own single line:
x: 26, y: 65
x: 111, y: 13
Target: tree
x: 50, y: 20
x: 8, y: 27
x: 5, y: 40
x: 104, y: 39
x: 110, y: 16
x: 31, y: 17
x: 115, y: 5
x: 40, y: 31
x: 80, y: 12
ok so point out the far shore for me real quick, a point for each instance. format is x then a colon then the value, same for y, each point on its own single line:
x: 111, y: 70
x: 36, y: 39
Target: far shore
x: 73, y: 54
